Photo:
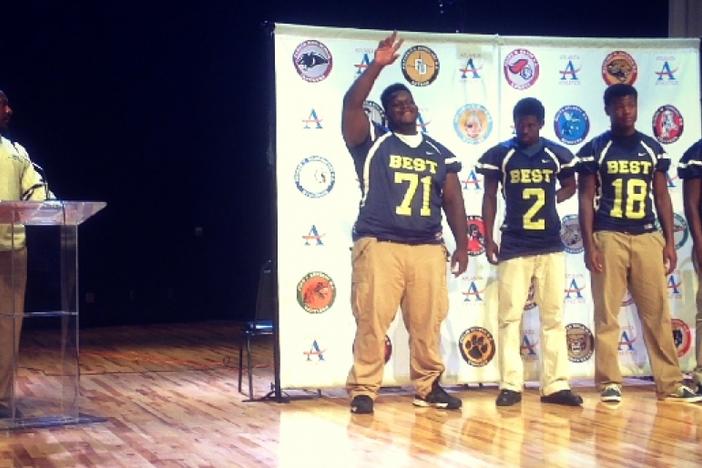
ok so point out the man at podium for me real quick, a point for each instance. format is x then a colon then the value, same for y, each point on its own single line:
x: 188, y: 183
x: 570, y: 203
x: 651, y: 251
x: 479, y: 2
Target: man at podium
x: 19, y: 180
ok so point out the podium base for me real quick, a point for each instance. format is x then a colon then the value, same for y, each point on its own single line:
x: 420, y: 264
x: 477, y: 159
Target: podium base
x: 48, y: 421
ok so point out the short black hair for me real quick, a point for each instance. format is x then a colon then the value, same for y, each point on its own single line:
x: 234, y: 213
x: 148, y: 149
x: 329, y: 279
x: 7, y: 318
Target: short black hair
x: 619, y: 90
x: 389, y: 91
x: 528, y: 106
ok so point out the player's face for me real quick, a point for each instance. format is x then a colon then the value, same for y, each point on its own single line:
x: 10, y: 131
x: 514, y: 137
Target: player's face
x: 622, y: 112
x: 402, y: 111
x: 5, y: 111
x: 527, y: 128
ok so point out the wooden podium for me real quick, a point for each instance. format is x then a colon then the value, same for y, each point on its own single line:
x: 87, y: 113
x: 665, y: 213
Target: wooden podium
x: 52, y: 398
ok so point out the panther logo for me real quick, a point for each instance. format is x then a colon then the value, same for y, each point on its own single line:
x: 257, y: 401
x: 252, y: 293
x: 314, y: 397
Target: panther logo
x: 477, y: 346
x: 312, y: 60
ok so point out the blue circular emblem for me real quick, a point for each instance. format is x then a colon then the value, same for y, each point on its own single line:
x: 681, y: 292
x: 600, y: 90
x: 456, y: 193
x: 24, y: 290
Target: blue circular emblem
x: 314, y: 176
x: 571, y: 124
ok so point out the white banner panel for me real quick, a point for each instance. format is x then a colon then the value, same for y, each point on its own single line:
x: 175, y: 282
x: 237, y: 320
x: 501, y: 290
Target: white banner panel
x: 467, y: 106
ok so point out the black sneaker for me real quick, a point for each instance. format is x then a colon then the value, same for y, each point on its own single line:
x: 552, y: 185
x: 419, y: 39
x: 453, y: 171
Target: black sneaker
x: 563, y: 397
x: 611, y: 393
x: 684, y: 394
x: 438, y: 398
x: 508, y: 397
x: 699, y: 389
x: 362, y: 404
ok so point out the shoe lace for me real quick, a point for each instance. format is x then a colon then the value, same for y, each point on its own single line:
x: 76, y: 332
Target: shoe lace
x: 612, y: 386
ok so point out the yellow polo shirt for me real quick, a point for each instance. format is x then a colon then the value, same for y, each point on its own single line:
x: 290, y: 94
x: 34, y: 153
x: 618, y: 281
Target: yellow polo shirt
x: 18, y: 181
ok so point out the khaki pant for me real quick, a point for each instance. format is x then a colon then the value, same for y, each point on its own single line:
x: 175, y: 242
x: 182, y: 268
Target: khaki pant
x: 636, y: 262
x: 386, y: 276
x: 697, y: 373
x: 13, y: 281
x: 548, y: 271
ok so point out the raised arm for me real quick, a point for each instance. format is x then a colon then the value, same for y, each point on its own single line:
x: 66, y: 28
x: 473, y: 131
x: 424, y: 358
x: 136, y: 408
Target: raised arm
x: 354, y: 123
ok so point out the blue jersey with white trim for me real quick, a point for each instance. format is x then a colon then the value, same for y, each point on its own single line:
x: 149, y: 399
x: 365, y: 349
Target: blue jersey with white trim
x: 690, y: 165
x: 402, y: 179
x: 624, y: 166
x: 528, y: 183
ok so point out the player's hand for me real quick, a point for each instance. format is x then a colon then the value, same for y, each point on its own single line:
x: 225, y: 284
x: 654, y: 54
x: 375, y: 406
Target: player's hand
x: 593, y: 260
x: 459, y: 262
x: 670, y: 258
x: 386, y: 53
x: 492, y: 250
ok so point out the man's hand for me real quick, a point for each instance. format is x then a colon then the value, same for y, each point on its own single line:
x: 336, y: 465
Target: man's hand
x: 670, y: 258
x: 593, y: 260
x: 386, y: 53
x: 491, y: 252
x: 459, y: 262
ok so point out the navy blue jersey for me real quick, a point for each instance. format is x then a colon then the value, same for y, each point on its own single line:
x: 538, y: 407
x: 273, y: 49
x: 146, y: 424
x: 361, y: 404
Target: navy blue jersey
x: 624, y: 167
x: 401, y: 186
x: 531, y: 225
x: 690, y: 165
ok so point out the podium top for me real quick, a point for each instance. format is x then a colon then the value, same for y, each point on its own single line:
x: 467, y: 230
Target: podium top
x: 49, y: 212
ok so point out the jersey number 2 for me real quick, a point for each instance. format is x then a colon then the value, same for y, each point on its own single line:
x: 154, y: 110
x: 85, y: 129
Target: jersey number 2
x: 529, y: 222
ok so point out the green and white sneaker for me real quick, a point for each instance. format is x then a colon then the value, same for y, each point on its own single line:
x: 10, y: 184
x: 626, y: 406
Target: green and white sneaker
x: 611, y: 393
x: 684, y: 394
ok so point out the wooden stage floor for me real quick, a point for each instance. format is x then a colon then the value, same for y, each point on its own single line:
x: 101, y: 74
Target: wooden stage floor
x: 170, y: 395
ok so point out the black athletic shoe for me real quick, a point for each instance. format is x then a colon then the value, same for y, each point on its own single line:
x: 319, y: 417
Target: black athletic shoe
x: 362, y: 404
x: 438, y: 398
x: 508, y: 398
x: 563, y: 397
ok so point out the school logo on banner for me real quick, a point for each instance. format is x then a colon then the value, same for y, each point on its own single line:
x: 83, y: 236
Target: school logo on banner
x: 627, y: 340
x: 365, y: 60
x: 529, y: 346
x: 619, y: 67
x: 313, y: 237
x: 580, y: 342
x: 470, y: 70
x: 375, y: 113
x: 575, y: 284
x: 420, y: 65
x: 312, y: 121
x: 521, y: 69
x: 315, y: 352
x: 570, y: 234
x: 571, y: 124
x: 312, y: 60
x: 315, y: 176
x: 472, y: 181
x: 666, y: 74
x: 477, y: 346
x: 680, y: 230
x: 473, y: 123
x: 571, y: 69
x: 682, y: 337
x: 530, y: 302
x: 675, y: 285
x: 476, y: 235
x: 475, y: 290
x: 667, y: 124
x: 316, y: 292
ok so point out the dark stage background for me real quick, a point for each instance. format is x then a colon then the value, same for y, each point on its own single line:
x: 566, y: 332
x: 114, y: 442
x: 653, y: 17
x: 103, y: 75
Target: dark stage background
x: 161, y: 110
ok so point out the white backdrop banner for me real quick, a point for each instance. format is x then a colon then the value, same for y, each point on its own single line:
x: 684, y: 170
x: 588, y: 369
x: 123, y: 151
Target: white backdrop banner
x: 465, y: 87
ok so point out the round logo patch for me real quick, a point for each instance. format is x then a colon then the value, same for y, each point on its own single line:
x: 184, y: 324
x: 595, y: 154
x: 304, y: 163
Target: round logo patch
x: 521, y: 68
x: 314, y: 176
x: 420, y: 65
x: 476, y: 235
x: 530, y: 302
x: 570, y: 234
x: 681, y: 336
x: 375, y: 113
x: 473, y: 123
x: 619, y: 67
x: 316, y: 292
x: 667, y: 124
x: 312, y: 60
x: 388, y: 349
x: 680, y: 230
x: 571, y: 124
x: 580, y: 342
x: 477, y: 346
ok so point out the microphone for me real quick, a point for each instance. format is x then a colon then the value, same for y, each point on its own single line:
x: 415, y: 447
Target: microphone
x: 43, y: 184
